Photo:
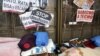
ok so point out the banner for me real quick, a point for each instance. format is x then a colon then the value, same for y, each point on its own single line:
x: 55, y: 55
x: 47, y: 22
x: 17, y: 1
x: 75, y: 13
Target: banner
x: 26, y: 21
x: 85, y: 4
x: 15, y: 5
x: 41, y: 17
x: 84, y: 15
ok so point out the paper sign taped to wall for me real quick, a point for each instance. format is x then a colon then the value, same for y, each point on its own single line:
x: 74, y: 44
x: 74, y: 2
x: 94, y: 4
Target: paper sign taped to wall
x: 26, y: 20
x: 84, y: 15
x: 85, y: 4
x: 15, y: 5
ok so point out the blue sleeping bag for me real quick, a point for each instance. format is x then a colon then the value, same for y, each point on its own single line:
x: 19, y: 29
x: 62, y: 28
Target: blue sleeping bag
x: 96, y: 40
x: 41, y: 38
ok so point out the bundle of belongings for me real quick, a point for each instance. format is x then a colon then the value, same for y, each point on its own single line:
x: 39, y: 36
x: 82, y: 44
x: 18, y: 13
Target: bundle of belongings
x: 36, y: 43
x: 29, y: 45
x: 88, y: 47
x: 80, y: 51
x: 40, y: 50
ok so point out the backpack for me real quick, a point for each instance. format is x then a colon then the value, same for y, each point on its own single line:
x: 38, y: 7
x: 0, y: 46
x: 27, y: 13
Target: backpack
x: 27, y: 42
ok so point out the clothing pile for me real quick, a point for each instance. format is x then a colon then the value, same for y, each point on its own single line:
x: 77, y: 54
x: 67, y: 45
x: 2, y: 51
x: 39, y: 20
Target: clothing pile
x: 36, y: 43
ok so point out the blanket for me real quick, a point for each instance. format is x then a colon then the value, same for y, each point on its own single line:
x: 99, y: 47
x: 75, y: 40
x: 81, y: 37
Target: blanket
x: 80, y: 51
x: 9, y: 47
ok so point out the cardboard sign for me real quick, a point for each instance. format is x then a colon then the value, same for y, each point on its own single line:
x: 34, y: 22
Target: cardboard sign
x: 85, y: 4
x: 41, y: 17
x: 26, y: 21
x: 84, y: 15
x: 15, y: 5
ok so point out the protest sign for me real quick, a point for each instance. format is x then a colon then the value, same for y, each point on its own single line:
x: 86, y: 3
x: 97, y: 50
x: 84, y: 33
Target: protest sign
x: 41, y: 17
x: 35, y: 18
x: 26, y: 21
x: 84, y: 15
x: 15, y: 5
x: 85, y: 4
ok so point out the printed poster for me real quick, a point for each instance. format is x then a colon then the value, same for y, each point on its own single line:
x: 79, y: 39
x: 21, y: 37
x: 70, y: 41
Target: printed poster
x: 84, y: 4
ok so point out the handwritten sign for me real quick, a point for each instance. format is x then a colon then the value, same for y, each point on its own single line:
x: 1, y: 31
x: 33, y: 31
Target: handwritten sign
x: 84, y: 15
x: 15, y: 5
x: 26, y: 21
x: 35, y: 18
x: 41, y: 17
